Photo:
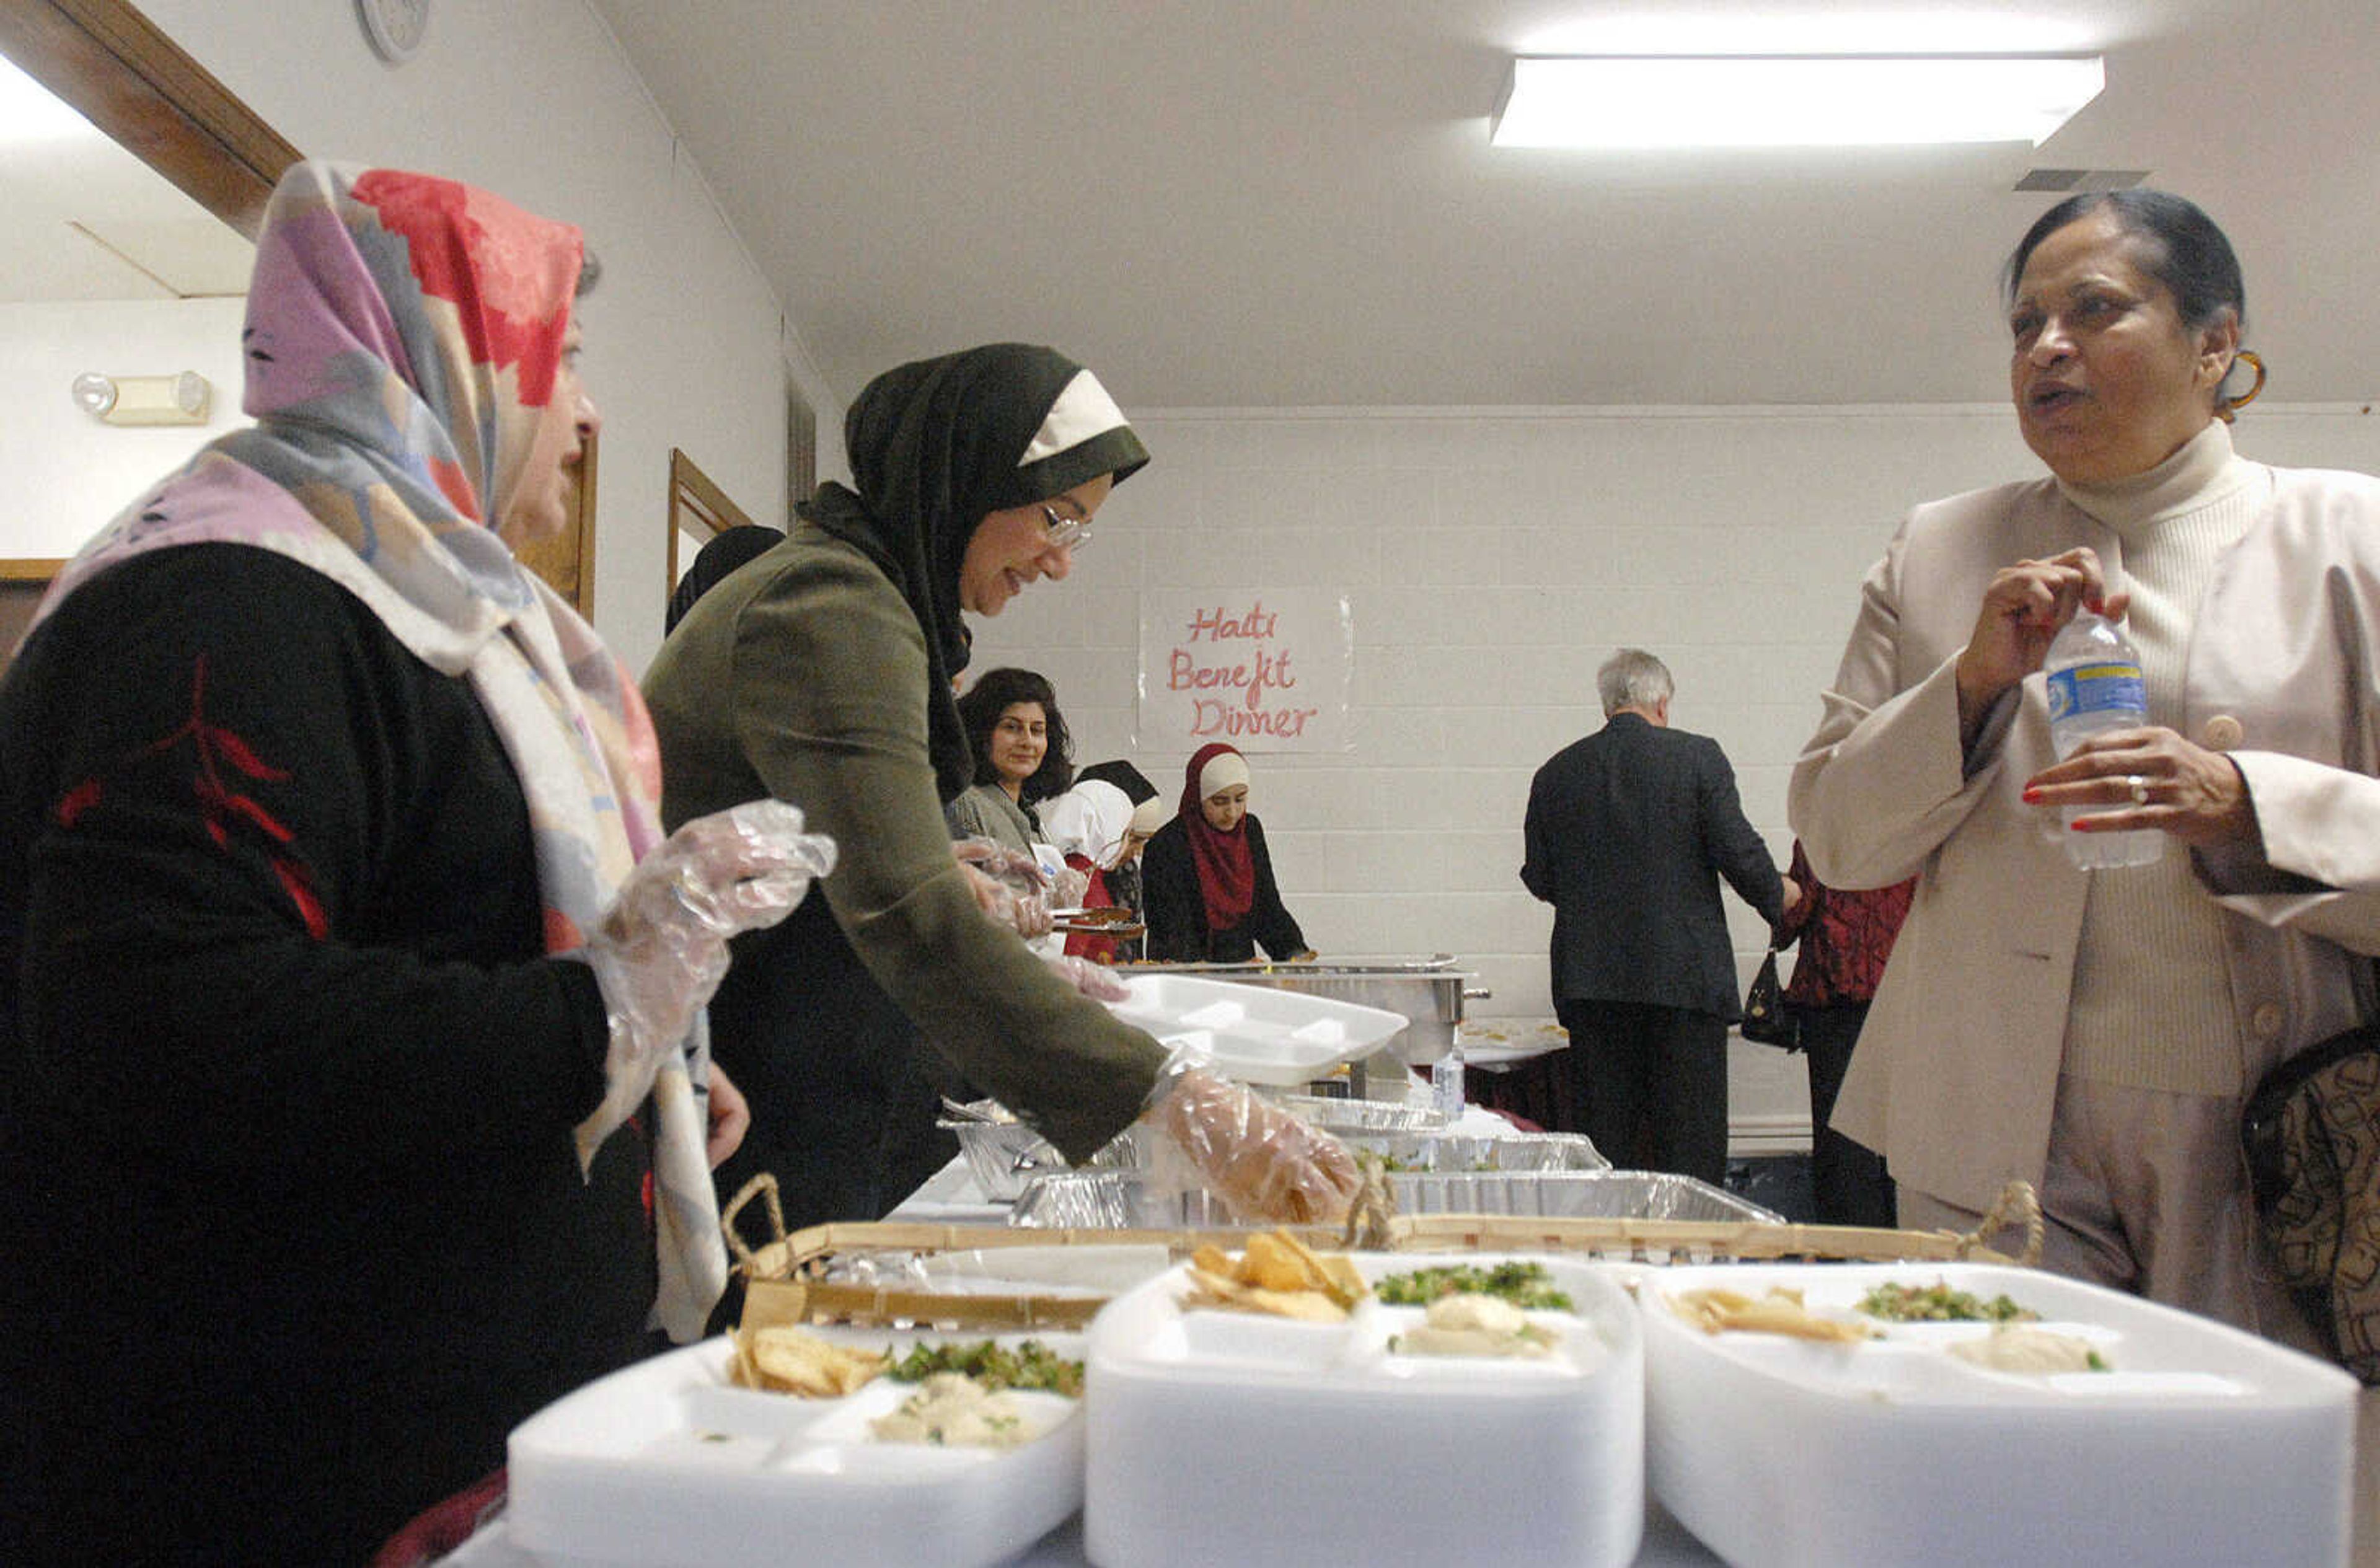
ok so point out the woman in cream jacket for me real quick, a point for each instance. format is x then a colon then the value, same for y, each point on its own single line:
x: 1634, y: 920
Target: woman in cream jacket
x: 2094, y: 1033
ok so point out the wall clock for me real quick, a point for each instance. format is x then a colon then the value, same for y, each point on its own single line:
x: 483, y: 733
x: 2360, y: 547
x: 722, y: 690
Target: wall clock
x: 394, y: 26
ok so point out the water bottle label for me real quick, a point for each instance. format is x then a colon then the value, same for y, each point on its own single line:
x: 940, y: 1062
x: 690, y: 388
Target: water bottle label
x: 1446, y: 1085
x: 2096, y: 688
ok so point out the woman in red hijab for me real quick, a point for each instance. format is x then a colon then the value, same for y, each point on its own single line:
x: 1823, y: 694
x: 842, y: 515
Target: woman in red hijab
x: 1208, y: 877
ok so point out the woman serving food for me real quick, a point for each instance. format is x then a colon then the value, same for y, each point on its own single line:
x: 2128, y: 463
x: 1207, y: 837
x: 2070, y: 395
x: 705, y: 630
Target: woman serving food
x: 351, y: 1076
x: 1023, y: 757
x: 821, y: 674
x: 1208, y: 875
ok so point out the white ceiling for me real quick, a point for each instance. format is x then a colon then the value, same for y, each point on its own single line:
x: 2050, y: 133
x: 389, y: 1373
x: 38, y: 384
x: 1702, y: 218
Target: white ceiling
x: 1254, y: 202
x: 88, y: 220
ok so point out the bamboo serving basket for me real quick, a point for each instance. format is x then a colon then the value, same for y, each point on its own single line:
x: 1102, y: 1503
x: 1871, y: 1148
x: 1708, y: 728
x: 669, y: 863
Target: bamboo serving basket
x: 787, y: 1279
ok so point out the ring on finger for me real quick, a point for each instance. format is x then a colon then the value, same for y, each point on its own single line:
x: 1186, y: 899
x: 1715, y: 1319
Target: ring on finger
x: 2139, y: 788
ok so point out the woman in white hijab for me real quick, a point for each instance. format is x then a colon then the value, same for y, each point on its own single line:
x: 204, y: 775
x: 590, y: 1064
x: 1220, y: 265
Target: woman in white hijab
x: 1090, y: 829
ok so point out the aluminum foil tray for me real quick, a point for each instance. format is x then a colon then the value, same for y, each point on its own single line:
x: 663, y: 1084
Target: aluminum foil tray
x: 1124, y: 1199
x: 1336, y: 1115
x: 1003, y: 1156
x: 1461, y: 1154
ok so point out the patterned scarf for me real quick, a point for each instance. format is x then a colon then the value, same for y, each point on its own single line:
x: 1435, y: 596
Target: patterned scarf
x: 403, y: 340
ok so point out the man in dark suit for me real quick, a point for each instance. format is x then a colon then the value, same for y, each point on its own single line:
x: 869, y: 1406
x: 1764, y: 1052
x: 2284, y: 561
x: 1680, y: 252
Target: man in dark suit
x: 1630, y: 831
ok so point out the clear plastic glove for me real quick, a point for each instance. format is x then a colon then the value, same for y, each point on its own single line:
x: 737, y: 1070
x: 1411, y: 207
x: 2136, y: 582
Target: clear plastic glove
x: 661, y: 948
x: 1265, y: 1162
x: 1093, y: 980
x: 1009, y: 887
x: 1068, y: 887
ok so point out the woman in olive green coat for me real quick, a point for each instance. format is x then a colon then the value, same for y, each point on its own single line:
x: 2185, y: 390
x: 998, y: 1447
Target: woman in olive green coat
x: 821, y: 674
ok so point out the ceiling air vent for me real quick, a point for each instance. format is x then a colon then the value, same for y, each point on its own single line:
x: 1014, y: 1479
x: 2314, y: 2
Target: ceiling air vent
x: 2074, y: 180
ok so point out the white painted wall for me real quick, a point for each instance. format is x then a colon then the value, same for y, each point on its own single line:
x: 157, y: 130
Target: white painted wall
x: 68, y: 472
x: 1493, y: 558
x: 687, y: 345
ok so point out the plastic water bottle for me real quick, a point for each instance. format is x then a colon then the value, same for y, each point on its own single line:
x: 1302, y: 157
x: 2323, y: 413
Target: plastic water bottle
x: 1446, y: 1083
x: 2094, y: 685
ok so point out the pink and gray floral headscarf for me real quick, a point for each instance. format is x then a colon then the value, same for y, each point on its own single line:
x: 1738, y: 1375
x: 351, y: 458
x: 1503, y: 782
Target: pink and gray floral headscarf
x: 404, y: 339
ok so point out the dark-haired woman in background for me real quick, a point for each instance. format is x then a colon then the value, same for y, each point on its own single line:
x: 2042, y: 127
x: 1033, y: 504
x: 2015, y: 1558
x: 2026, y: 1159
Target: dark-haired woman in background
x: 1022, y: 756
x: 721, y: 555
x: 1208, y: 877
x: 2094, y: 1033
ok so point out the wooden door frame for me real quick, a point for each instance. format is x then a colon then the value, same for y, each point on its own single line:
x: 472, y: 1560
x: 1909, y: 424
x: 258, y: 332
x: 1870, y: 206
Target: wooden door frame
x: 127, y: 78
x: 696, y: 504
x: 124, y: 76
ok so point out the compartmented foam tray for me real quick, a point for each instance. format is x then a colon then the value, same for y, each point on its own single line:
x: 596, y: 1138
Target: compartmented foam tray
x: 1128, y: 1200
x: 1217, y: 1436
x: 1254, y: 1033
x: 668, y: 1464
x: 2199, y: 1443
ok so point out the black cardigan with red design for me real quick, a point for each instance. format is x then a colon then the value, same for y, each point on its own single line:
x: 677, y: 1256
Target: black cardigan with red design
x: 295, y: 1233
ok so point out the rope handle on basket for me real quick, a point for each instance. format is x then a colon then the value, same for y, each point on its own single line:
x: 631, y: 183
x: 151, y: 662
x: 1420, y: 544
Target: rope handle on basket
x: 1374, y: 1206
x: 2016, y: 1204
x: 765, y: 1186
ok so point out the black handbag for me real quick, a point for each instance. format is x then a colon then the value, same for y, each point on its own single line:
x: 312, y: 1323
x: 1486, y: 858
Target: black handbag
x: 1766, y: 1021
x: 2312, y: 1134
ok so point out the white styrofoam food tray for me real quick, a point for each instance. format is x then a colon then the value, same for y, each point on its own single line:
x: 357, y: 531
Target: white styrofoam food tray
x: 667, y: 1463
x: 1255, y: 1033
x: 2201, y: 1444
x: 1225, y: 1437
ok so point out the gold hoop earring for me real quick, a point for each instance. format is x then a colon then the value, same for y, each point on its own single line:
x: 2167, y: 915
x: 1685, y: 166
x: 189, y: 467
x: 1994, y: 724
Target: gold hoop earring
x: 2228, y: 410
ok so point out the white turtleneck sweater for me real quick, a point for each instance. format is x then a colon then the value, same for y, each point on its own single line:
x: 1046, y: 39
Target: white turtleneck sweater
x: 2180, y: 1033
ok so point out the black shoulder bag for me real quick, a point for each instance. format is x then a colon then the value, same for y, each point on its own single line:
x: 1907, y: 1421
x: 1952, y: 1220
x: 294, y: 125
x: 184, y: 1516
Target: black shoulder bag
x: 2312, y: 1132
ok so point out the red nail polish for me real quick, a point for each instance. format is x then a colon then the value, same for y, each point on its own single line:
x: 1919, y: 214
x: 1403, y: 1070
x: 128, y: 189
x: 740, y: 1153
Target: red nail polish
x: 2033, y: 797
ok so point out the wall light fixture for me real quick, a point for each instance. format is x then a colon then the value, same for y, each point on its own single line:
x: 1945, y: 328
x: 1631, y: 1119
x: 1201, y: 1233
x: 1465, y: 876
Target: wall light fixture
x: 144, y: 400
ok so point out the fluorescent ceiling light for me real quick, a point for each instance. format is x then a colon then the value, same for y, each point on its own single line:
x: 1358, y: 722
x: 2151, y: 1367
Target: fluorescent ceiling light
x: 1788, y: 100
x: 29, y: 112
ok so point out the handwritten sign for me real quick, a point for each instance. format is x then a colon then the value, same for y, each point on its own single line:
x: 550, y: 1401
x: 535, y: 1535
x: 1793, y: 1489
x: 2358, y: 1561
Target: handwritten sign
x: 1266, y: 671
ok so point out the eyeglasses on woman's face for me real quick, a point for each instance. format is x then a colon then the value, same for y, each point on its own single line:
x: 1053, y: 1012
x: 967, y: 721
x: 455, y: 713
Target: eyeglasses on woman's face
x: 1065, y: 532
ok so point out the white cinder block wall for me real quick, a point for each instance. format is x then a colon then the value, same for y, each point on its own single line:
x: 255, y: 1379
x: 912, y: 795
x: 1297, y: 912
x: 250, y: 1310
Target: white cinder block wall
x: 1493, y: 557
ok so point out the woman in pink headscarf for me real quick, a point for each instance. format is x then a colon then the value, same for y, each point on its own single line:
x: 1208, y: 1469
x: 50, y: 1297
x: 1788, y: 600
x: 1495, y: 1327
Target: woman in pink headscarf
x: 352, y: 1070
x: 1208, y: 877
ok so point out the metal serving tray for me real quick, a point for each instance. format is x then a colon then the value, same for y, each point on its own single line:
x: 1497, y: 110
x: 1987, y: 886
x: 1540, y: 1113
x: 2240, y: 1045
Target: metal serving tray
x: 1340, y: 1115
x: 1467, y: 1154
x: 1126, y: 1200
x: 1003, y: 1155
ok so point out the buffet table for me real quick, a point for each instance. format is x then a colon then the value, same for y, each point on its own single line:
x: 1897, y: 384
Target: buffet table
x: 952, y: 1197
x: 1516, y: 1066
x: 1666, y: 1544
